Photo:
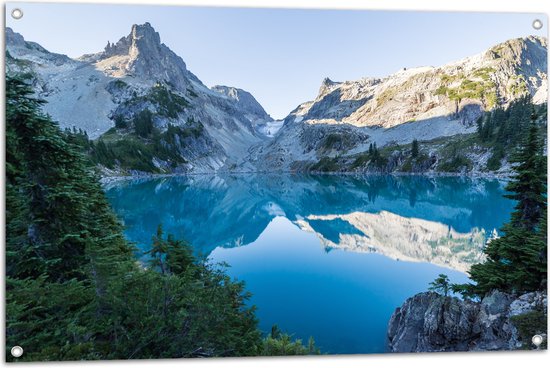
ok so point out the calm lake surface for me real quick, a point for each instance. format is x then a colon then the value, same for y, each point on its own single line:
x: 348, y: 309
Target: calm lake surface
x: 324, y: 256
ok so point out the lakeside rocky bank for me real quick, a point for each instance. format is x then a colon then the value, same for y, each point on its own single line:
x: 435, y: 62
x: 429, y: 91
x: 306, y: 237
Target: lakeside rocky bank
x: 430, y: 322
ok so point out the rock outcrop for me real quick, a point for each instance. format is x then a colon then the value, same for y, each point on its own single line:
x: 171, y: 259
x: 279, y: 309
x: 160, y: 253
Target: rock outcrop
x: 420, y: 103
x: 139, y: 73
x: 142, y: 55
x: 429, y: 322
x: 246, y: 102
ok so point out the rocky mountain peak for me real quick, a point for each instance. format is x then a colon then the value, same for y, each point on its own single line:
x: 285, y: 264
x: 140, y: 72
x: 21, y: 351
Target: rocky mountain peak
x: 145, y: 30
x: 141, y: 54
x: 244, y: 101
x: 327, y: 81
x: 18, y: 47
x: 143, y: 39
x: 14, y: 38
x: 519, y: 50
x: 326, y: 86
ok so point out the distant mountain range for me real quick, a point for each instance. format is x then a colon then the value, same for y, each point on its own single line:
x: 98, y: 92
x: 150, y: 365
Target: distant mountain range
x: 231, y: 130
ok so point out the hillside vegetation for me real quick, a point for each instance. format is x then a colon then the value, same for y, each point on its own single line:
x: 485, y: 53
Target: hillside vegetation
x: 75, y: 291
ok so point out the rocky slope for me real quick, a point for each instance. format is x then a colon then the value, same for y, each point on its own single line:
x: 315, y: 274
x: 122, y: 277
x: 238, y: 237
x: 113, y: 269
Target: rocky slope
x: 429, y: 322
x: 420, y: 103
x: 225, y: 128
x: 137, y: 73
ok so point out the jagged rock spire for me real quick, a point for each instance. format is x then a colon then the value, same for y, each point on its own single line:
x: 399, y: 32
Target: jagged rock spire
x: 147, y: 57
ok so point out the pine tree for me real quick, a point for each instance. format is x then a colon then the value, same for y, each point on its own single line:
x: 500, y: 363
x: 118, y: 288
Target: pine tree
x: 528, y: 185
x: 62, y: 240
x: 515, y: 261
x: 479, y: 126
x: 73, y: 287
x: 441, y: 284
x: 414, y: 149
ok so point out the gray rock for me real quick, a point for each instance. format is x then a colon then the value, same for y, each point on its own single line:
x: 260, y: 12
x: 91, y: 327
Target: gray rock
x: 245, y: 102
x: 429, y: 322
x: 415, y: 102
x: 116, y: 84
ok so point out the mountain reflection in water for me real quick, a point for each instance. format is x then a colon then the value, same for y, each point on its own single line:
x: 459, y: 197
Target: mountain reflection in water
x: 319, y: 253
x: 443, y: 220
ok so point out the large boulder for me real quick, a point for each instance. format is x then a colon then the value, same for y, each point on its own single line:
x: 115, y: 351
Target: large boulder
x: 429, y: 322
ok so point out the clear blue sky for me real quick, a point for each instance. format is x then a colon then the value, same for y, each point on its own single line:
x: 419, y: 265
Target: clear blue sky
x: 279, y: 55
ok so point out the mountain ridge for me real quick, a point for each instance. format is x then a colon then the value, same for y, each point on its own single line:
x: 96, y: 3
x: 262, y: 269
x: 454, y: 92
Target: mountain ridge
x: 110, y: 89
x: 139, y: 72
x: 421, y: 103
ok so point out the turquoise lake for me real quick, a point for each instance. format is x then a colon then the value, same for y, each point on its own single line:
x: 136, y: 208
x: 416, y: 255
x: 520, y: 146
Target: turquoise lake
x: 323, y: 256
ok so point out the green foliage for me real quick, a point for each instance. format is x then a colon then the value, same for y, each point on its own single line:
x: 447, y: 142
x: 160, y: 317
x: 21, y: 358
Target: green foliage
x: 333, y: 141
x: 61, y: 236
x: 54, y: 193
x: 387, y: 95
x: 503, y: 130
x: 530, y: 324
x: 325, y: 164
x: 361, y: 160
x: 517, y: 261
x: 120, y: 84
x: 181, y: 307
x: 414, y: 149
x: 120, y: 122
x: 484, y: 73
x: 456, y: 163
x: 134, y: 152
x: 373, y: 158
x: 281, y: 344
x: 161, y: 99
x: 143, y: 123
x: 441, y: 284
x: 480, y: 86
x: 517, y: 86
x: 528, y: 186
x: 491, y: 98
x: 73, y: 288
x: 377, y: 159
x: 168, y: 103
x: 494, y: 162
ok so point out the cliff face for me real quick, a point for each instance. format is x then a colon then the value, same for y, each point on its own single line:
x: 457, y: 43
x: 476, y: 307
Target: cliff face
x: 421, y: 103
x: 460, y: 89
x: 135, y: 74
x: 139, y: 72
x: 429, y: 322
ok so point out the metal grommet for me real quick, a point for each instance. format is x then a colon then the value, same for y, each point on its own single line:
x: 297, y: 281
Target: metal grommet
x: 537, y: 340
x: 16, y: 351
x: 537, y: 24
x: 17, y: 13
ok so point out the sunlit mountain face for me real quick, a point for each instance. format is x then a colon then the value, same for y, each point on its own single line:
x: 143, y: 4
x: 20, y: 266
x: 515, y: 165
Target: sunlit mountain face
x: 323, y: 256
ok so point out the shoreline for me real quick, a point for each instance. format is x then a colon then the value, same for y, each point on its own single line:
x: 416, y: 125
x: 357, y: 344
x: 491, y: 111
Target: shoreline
x: 108, y: 179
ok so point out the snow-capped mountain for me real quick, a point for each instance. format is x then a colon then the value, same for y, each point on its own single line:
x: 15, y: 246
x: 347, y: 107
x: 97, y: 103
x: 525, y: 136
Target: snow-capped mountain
x: 136, y: 73
x: 422, y: 103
